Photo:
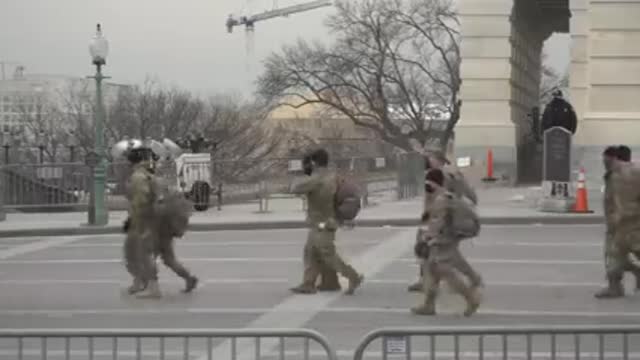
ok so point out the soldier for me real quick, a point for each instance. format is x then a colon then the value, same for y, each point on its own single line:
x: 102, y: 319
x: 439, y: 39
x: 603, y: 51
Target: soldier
x: 443, y: 252
x: 616, y: 263
x: 456, y: 184
x: 140, y: 238
x: 320, y: 189
x: 328, y: 277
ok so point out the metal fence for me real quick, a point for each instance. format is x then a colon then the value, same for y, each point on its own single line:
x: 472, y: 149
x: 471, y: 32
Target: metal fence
x: 170, y: 344
x: 503, y: 342
x: 67, y: 186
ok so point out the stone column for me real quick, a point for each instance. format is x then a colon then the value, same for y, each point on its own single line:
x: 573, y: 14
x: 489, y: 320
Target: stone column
x: 613, y: 102
x: 605, y: 78
x: 501, y: 47
x: 486, y: 94
x: 578, y: 73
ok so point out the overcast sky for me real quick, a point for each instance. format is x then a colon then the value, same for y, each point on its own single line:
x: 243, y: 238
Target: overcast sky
x: 182, y: 43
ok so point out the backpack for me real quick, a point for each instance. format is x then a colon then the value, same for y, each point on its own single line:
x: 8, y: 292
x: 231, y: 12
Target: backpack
x: 347, y: 199
x: 465, y: 222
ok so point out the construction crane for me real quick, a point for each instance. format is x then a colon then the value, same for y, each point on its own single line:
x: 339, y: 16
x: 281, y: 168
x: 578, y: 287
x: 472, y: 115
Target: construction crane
x: 249, y: 21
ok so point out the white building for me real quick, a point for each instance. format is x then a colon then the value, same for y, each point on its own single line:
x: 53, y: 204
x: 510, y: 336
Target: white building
x: 25, y: 96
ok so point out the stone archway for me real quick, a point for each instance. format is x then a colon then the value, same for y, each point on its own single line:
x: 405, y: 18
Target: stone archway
x: 501, y: 49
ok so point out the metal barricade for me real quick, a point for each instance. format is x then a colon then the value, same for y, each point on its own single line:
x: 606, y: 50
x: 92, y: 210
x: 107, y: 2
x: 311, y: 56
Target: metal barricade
x: 504, y: 342
x: 165, y: 344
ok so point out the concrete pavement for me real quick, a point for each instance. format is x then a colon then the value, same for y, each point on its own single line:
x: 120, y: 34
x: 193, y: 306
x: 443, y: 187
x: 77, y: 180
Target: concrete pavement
x: 534, y: 275
x: 497, y: 206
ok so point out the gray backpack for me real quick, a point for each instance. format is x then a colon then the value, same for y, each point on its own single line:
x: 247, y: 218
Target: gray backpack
x: 465, y: 222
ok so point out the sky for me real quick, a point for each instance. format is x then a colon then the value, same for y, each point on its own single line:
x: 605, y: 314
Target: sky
x: 180, y: 43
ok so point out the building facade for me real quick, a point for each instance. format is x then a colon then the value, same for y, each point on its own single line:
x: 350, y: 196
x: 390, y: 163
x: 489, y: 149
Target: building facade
x: 501, y: 50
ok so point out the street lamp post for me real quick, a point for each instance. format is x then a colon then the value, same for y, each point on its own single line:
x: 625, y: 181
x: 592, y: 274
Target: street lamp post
x: 99, y: 48
x: 72, y: 146
x: 41, y: 145
x: 6, y: 144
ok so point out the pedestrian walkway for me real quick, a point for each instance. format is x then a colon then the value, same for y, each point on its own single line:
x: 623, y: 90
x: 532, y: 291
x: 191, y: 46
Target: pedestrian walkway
x: 497, y: 205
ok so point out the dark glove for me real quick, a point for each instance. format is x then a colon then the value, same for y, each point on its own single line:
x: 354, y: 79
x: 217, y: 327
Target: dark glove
x: 126, y: 225
x: 421, y: 250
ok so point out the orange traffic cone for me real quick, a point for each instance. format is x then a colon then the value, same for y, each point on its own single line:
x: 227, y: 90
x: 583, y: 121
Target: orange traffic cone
x: 489, y: 177
x: 582, y: 201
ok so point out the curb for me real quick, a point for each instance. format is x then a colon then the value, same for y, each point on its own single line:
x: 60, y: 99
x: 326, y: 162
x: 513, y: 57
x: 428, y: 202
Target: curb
x: 586, y: 219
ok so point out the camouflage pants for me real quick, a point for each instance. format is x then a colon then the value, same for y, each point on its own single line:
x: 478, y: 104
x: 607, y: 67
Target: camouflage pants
x: 441, y: 265
x: 320, y: 251
x: 165, y: 249
x: 138, y: 253
x: 618, y: 247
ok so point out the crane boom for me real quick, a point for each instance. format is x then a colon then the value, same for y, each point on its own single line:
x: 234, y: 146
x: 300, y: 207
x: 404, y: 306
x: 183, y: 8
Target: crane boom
x: 285, y: 11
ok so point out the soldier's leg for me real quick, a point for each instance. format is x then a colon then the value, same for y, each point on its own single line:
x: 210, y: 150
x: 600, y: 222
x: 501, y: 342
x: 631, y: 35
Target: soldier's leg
x: 418, y: 285
x: 324, y: 242
x: 615, y: 259
x: 431, y: 285
x: 328, y: 279
x: 148, y: 269
x: 168, y: 255
x: 634, y: 268
x: 132, y: 264
x: 462, y: 265
x: 311, y: 271
x: 448, y: 273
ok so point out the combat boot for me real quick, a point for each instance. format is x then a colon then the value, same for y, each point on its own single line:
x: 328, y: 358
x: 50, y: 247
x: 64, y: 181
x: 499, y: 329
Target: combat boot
x: 612, y: 291
x: 136, y: 286
x: 424, y: 309
x: 303, y: 289
x: 354, y: 283
x: 473, y: 303
x: 152, y: 291
x: 192, y: 282
x: 429, y: 306
x: 415, y: 287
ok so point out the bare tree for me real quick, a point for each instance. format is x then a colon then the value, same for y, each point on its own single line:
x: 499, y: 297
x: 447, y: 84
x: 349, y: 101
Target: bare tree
x: 42, y: 126
x: 550, y: 81
x: 393, y: 69
x: 243, y: 144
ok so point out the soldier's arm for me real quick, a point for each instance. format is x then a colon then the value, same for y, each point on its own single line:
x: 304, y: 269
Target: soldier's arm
x: 304, y: 185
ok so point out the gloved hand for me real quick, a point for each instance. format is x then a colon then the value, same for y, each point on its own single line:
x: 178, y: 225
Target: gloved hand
x: 126, y: 225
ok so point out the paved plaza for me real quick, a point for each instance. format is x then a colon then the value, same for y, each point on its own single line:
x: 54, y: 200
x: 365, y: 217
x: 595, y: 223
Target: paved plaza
x: 542, y: 275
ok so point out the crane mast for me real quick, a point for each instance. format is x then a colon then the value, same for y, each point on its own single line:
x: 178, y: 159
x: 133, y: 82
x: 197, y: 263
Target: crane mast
x: 249, y: 21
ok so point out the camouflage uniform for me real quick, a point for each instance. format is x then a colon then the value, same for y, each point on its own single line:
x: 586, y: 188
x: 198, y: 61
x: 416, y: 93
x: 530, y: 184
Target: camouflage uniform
x: 457, y: 185
x: 622, y: 210
x: 140, y: 238
x: 320, y: 249
x: 444, y: 255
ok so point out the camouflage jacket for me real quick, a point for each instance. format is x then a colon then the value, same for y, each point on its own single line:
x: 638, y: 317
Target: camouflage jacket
x: 142, y: 193
x: 439, y: 223
x: 320, y: 189
x: 625, y: 180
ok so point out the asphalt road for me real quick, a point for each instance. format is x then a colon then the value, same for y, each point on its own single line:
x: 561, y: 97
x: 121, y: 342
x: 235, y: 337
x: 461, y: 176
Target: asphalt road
x: 535, y: 275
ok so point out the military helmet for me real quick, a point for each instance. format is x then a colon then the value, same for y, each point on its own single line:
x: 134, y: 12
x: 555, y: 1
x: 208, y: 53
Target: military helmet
x: 165, y: 150
x: 121, y: 149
